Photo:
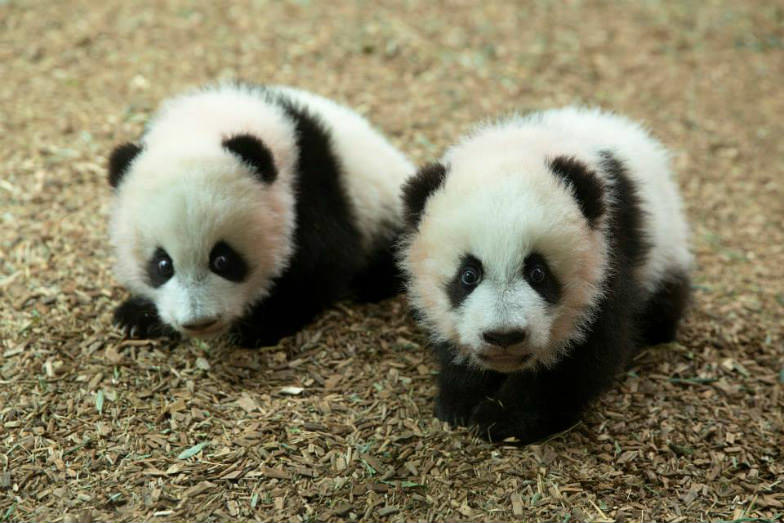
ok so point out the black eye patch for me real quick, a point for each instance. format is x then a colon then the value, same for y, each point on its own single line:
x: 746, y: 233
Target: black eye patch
x: 160, y: 268
x: 467, y: 278
x: 227, y: 263
x: 539, y: 276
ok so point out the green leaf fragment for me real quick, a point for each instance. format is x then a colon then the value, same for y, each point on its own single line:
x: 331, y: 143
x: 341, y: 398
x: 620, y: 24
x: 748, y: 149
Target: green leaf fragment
x: 8, y: 512
x: 99, y: 401
x: 189, y: 453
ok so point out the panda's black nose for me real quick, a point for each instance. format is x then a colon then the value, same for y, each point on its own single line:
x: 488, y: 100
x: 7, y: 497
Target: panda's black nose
x: 200, y: 324
x: 504, y: 338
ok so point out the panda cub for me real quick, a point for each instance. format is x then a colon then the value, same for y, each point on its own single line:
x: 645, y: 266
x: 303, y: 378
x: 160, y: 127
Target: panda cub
x: 252, y: 208
x: 541, y: 253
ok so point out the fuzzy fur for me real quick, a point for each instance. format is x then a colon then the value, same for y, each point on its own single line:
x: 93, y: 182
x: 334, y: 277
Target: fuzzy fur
x: 591, y: 194
x: 307, y: 207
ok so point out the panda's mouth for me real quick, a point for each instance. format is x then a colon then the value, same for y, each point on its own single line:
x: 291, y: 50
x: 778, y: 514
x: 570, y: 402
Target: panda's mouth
x: 503, y: 361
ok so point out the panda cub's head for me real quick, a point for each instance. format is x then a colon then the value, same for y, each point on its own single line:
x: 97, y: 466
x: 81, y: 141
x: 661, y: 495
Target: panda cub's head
x: 201, y: 224
x: 505, y: 253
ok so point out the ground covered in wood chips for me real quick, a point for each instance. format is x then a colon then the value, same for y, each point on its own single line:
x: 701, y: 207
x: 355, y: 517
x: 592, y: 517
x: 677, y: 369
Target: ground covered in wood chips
x: 96, y: 427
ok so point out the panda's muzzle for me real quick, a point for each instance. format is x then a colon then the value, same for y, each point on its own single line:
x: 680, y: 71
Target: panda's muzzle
x: 504, y: 350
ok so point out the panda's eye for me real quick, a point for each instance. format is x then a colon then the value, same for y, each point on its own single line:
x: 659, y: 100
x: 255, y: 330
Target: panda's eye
x: 227, y: 263
x: 471, y: 276
x: 536, y: 275
x: 540, y: 276
x: 536, y: 271
x: 160, y: 268
x: 220, y: 264
x: 165, y: 267
x: 465, y: 280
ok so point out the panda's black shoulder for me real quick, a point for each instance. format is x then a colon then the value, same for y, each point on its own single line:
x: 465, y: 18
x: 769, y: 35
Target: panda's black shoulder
x: 313, y: 136
x: 627, y: 232
x: 320, y: 191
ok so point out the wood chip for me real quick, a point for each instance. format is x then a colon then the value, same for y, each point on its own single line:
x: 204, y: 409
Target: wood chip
x: 291, y: 391
x: 517, y: 504
x: 274, y: 473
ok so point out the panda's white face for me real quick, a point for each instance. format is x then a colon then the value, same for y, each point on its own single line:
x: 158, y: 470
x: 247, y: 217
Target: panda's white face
x: 503, y: 265
x: 504, y: 311
x: 200, y: 236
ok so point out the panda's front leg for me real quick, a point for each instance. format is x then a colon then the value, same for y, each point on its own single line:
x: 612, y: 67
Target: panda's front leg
x: 532, y: 405
x: 252, y: 332
x: 283, y: 314
x: 526, y: 409
x: 139, y: 318
x: 461, y: 388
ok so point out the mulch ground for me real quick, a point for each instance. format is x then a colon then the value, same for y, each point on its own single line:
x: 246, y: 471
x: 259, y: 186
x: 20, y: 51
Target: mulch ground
x: 336, y: 423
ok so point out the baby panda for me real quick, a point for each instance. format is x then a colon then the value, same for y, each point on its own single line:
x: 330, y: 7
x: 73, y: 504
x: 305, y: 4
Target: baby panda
x: 541, y: 252
x: 251, y: 208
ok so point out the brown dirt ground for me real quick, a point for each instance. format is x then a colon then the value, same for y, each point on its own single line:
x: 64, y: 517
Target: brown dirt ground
x: 92, y: 426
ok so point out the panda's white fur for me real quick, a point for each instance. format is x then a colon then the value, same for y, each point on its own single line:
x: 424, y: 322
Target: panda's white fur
x: 500, y: 201
x: 186, y: 191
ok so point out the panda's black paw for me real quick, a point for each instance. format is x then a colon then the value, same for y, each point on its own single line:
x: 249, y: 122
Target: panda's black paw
x: 454, y: 411
x: 493, y: 422
x: 139, y: 318
x: 250, y: 337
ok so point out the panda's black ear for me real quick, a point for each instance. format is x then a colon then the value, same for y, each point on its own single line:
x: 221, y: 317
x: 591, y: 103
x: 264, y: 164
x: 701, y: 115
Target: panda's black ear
x: 253, y: 152
x: 586, y: 187
x: 119, y: 160
x: 418, y: 189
